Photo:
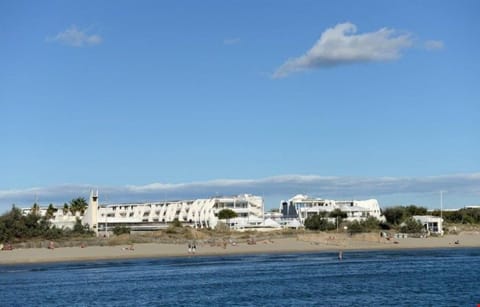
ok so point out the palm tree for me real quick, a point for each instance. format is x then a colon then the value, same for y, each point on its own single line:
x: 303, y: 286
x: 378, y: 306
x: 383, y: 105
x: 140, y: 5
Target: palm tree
x: 35, y: 208
x: 65, y: 209
x: 78, y: 204
x: 50, y: 211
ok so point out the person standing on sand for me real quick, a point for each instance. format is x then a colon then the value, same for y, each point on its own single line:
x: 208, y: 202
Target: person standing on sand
x: 194, y: 248
x: 189, y: 248
x: 340, y: 255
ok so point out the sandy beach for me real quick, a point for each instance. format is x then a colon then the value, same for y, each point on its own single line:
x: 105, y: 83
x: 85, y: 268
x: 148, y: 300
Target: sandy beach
x: 301, y: 243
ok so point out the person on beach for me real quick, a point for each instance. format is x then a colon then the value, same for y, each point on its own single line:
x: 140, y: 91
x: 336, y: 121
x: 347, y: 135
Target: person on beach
x: 194, y: 248
x: 51, y: 245
x: 189, y: 248
x: 340, y: 255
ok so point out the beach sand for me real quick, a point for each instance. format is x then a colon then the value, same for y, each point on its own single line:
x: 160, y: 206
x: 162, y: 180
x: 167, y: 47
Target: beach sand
x: 314, y: 242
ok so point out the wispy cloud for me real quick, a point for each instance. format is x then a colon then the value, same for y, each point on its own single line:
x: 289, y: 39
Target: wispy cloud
x: 76, y: 38
x: 231, y: 41
x: 433, y: 45
x: 270, y: 187
x: 341, y: 45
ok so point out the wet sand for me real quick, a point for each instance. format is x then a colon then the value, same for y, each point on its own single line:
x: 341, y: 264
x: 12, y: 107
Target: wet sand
x: 301, y: 243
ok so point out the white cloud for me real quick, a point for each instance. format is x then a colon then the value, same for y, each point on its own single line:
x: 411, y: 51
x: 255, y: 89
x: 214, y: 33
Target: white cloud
x: 231, y: 41
x: 410, y: 189
x: 433, y: 45
x: 341, y: 45
x: 76, y: 38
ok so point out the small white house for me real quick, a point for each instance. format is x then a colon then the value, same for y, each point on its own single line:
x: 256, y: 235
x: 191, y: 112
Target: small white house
x: 432, y: 224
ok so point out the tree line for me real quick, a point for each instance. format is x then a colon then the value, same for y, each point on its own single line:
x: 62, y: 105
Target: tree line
x: 398, y: 214
x: 398, y: 217
x: 15, y: 226
x: 462, y: 216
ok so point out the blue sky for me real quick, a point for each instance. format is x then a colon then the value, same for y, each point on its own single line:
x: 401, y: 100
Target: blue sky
x: 173, y: 99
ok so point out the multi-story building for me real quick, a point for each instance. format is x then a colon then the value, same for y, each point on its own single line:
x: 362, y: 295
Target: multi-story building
x: 301, y: 206
x: 199, y: 213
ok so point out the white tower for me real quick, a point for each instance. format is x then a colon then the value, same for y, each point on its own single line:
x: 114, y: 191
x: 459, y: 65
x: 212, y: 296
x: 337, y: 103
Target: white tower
x: 90, y: 216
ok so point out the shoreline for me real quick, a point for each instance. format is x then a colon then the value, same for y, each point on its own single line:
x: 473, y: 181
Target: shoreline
x: 313, y: 243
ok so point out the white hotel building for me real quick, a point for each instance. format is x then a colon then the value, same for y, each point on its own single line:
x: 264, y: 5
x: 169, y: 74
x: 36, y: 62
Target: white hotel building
x: 301, y: 206
x: 199, y: 213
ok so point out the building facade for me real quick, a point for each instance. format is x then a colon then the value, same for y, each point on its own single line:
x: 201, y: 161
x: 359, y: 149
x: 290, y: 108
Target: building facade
x: 431, y: 224
x: 302, y: 206
x: 198, y: 213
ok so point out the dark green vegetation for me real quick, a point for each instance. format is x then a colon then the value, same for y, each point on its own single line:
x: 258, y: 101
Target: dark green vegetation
x: 16, y: 227
x: 119, y: 230
x: 368, y: 225
x: 399, y: 214
x: 319, y: 222
x: 462, y: 216
x: 398, y: 218
x: 335, y: 220
x: 411, y: 226
x: 78, y: 205
x: 226, y: 214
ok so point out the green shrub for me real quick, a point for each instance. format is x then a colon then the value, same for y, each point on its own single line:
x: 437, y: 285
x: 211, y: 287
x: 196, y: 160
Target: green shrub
x: 370, y: 224
x: 411, y: 226
x: 176, y: 223
x: 317, y: 222
x: 119, y: 230
x: 227, y: 214
x: 355, y: 227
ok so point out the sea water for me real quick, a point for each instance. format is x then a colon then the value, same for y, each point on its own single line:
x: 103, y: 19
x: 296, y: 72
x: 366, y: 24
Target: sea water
x: 437, y: 277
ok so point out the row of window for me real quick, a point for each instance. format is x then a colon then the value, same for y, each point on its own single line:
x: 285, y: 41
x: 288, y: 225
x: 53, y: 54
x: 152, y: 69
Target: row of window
x: 236, y: 204
x: 147, y: 213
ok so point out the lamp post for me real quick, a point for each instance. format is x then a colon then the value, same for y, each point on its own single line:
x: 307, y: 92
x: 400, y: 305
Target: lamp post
x: 441, y: 204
